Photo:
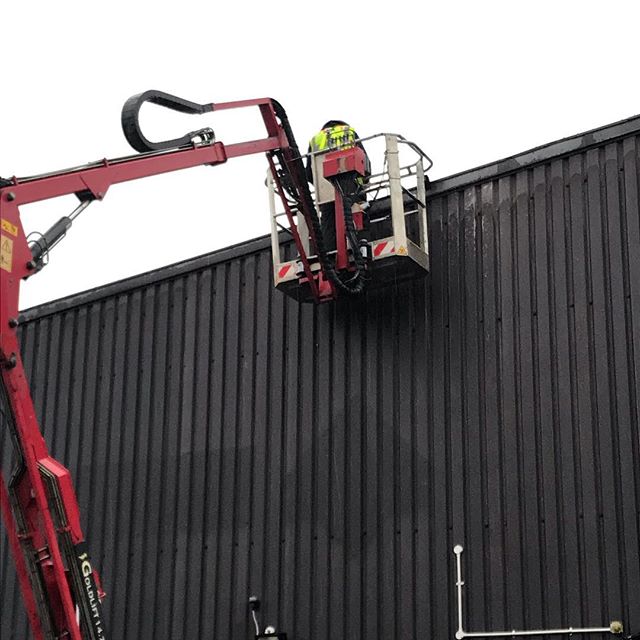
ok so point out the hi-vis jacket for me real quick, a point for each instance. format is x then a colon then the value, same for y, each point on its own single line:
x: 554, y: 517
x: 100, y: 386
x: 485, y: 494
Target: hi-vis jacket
x: 340, y: 136
x: 336, y: 137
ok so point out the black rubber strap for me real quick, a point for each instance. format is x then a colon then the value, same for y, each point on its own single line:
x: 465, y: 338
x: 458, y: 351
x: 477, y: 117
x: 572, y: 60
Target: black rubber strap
x: 355, y: 283
x: 131, y: 123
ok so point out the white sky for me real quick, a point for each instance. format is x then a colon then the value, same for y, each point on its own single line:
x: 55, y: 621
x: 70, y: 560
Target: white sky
x: 471, y: 82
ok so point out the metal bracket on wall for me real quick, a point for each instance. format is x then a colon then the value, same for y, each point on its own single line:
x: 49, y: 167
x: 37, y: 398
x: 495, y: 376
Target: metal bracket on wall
x: 615, y: 627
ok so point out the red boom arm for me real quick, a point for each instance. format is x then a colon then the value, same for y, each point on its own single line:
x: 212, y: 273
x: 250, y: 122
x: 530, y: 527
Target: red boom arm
x: 38, y: 502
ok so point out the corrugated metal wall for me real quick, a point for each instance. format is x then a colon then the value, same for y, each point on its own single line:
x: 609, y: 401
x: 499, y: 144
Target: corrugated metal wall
x: 226, y: 441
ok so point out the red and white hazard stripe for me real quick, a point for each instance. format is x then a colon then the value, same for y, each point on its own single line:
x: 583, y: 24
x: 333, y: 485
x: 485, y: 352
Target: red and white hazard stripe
x: 383, y: 248
x: 286, y: 270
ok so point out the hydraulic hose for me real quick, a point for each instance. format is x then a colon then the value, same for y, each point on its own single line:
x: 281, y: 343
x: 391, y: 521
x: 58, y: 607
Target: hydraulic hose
x: 358, y: 280
x: 356, y: 283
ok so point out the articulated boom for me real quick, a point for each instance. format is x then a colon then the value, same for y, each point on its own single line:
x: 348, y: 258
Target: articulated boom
x: 60, y: 588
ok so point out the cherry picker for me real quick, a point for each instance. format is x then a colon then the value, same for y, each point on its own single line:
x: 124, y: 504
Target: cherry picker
x: 60, y: 586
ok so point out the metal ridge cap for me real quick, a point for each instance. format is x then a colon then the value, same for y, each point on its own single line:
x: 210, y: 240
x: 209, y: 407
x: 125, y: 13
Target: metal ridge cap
x: 144, y: 279
x: 537, y: 155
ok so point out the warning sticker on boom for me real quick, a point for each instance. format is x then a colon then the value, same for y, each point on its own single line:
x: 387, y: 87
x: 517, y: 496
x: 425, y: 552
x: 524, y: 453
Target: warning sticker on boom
x: 5, y: 225
x: 6, y: 253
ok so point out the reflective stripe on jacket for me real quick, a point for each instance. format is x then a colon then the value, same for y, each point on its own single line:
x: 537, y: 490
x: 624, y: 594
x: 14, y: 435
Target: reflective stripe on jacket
x: 336, y: 138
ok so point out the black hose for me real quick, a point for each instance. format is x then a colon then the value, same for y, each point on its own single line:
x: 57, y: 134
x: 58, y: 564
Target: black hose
x: 359, y: 279
x: 356, y: 283
x: 130, y: 119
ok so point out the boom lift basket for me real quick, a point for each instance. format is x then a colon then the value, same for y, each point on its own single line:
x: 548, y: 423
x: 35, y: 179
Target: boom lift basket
x: 397, y: 212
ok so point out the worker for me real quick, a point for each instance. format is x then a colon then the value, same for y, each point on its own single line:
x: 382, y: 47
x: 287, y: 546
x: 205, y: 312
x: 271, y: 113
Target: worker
x: 334, y: 136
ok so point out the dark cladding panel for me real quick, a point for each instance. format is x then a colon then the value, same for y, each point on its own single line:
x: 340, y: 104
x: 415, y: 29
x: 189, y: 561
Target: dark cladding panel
x: 226, y: 441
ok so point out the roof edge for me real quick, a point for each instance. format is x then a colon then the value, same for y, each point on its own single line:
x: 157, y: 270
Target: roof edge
x: 149, y: 277
x: 538, y: 155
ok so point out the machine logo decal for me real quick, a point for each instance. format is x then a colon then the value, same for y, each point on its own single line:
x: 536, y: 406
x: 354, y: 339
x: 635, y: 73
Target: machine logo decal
x: 6, y: 253
x: 91, y: 596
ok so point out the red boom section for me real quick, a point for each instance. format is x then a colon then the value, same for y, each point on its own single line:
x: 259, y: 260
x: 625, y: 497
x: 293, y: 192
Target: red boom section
x: 38, y: 502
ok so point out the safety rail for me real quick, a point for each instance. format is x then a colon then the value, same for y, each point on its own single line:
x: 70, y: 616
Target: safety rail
x: 396, y: 195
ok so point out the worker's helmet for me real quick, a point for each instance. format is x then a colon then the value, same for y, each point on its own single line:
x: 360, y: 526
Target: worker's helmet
x: 334, y: 123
